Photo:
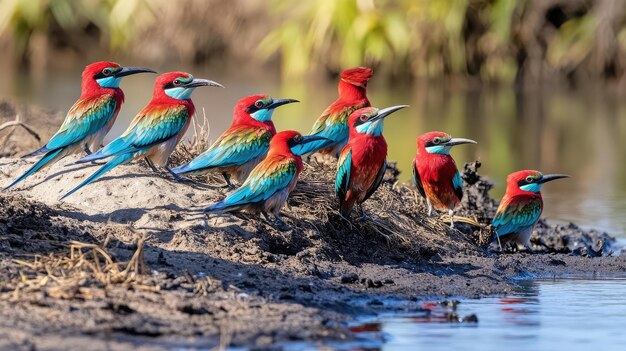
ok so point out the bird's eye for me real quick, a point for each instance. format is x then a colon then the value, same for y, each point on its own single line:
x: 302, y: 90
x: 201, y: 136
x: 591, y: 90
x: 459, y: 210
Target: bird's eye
x: 363, y: 118
x: 259, y: 104
x: 436, y: 140
x: 297, y: 138
x: 107, y: 71
x: 529, y: 179
x: 177, y: 82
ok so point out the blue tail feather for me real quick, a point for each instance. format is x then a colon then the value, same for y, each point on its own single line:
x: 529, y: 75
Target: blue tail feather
x: 38, y: 152
x: 115, y: 161
x: 116, y: 146
x: 37, y: 166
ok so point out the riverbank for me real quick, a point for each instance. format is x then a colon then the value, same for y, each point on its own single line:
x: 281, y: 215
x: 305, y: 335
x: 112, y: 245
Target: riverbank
x: 131, y: 259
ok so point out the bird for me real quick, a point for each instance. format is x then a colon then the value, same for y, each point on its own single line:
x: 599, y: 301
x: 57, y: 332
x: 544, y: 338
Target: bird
x: 435, y: 174
x: 521, y: 206
x: 89, y: 119
x: 269, y: 184
x: 156, y: 129
x: 240, y: 148
x: 363, y: 161
x: 332, y: 124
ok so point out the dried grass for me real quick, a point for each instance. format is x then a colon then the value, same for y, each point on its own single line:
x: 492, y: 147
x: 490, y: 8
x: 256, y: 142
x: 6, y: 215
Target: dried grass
x: 85, y: 273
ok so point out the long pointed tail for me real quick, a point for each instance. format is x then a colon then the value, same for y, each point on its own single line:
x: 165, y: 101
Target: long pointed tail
x: 53, y: 155
x: 38, y: 152
x: 312, y: 147
x: 115, y: 161
x: 220, y: 207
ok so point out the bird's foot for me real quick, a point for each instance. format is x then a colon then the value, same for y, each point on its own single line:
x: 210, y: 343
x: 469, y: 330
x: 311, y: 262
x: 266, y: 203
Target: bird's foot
x: 86, y: 149
x: 363, y: 216
x: 280, y: 224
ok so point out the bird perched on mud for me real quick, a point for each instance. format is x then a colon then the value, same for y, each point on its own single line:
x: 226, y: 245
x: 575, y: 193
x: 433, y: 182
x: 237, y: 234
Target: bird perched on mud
x: 521, y: 206
x: 244, y: 144
x: 363, y: 160
x: 270, y: 182
x: 332, y: 124
x: 90, y: 118
x: 435, y: 173
x: 156, y: 129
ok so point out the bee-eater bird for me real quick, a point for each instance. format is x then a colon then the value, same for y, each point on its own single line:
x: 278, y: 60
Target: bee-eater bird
x: 90, y: 118
x: 363, y: 161
x: 270, y: 182
x: 521, y: 206
x: 156, y: 129
x: 332, y: 124
x: 240, y: 148
x: 435, y: 173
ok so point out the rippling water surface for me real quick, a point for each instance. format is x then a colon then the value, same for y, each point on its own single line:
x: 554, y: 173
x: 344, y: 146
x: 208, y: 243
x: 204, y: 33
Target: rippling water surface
x: 563, y: 314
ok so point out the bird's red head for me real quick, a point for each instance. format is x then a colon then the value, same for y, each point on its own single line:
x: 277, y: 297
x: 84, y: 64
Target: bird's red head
x: 282, y: 142
x: 529, y: 181
x: 89, y: 84
x: 431, y: 138
x: 96, y: 68
x: 369, y: 120
x: 357, y: 76
x: 178, y: 85
x: 258, y: 108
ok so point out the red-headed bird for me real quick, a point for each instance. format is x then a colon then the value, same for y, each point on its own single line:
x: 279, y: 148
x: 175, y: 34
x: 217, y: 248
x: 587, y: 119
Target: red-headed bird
x: 240, y: 148
x: 521, y: 206
x: 156, y: 129
x: 435, y: 173
x: 90, y: 118
x: 332, y: 124
x: 363, y: 160
x: 271, y: 181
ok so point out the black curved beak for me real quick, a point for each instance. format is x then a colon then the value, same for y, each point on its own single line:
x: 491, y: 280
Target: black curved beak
x: 127, y: 71
x: 550, y: 177
x: 197, y: 82
x: 386, y: 112
x: 279, y: 102
x: 459, y: 141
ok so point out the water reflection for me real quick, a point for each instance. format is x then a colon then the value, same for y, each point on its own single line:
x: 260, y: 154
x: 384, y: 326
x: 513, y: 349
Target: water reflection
x: 561, y: 314
x: 582, y: 133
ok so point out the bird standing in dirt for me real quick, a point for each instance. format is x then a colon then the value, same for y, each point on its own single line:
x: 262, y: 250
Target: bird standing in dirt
x: 435, y: 173
x: 240, y: 148
x: 156, y: 129
x: 332, y: 124
x: 363, y: 160
x: 521, y: 206
x: 271, y: 181
x: 90, y: 118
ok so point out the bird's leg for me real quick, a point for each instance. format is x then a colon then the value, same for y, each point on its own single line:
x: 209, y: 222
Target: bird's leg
x: 266, y: 216
x: 227, y: 179
x: 430, y: 207
x: 282, y: 226
x: 151, y: 165
x: 451, y: 214
x: 86, y: 149
x: 362, y: 213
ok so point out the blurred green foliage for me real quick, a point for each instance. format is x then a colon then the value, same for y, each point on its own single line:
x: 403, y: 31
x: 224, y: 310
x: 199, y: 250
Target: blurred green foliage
x: 116, y: 19
x: 490, y: 39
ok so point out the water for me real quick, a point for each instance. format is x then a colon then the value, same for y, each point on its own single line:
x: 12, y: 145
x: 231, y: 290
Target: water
x: 582, y: 133
x: 563, y: 314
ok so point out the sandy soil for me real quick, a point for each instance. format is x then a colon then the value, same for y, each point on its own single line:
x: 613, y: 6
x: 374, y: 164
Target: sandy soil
x: 238, y: 280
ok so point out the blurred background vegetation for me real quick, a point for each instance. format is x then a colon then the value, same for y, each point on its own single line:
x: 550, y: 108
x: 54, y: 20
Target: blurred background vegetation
x: 523, y: 41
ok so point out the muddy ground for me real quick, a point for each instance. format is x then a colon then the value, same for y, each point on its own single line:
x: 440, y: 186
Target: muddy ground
x: 130, y: 261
